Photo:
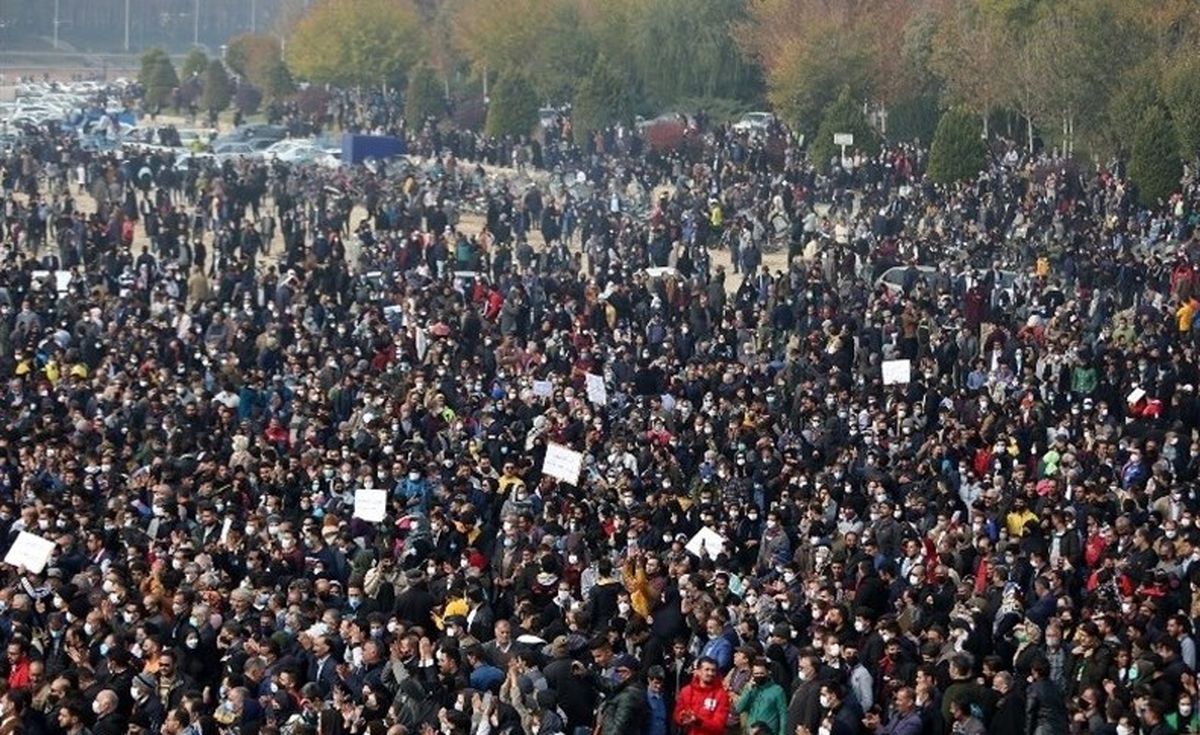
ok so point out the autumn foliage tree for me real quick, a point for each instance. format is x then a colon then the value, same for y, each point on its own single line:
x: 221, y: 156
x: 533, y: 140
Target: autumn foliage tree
x: 369, y: 43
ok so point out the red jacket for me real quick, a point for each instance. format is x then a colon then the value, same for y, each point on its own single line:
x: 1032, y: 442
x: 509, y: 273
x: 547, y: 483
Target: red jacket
x: 710, y: 705
x: 18, y: 675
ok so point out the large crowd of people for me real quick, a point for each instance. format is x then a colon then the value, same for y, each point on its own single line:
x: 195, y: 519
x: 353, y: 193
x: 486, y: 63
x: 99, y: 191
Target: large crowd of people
x: 860, y: 454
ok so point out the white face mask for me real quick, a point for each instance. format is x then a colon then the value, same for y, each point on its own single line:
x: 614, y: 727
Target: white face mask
x: 826, y: 701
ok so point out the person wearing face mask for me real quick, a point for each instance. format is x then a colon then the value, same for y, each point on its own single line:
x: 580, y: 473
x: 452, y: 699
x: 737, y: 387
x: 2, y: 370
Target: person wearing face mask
x: 804, y: 709
x: 775, y: 548
x: 1061, y: 660
x: 108, y: 719
x: 1184, y: 718
x: 764, y: 700
x: 144, y: 693
x: 718, y: 647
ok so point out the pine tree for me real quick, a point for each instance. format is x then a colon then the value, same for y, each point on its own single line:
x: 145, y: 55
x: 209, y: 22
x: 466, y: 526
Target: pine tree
x: 602, y: 100
x: 423, y: 98
x: 161, y: 81
x: 1154, y: 163
x: 194, y: 64
x: 958, y: 151
x: 218, y: 90
x: 513, y: 108
x: 843, y: 115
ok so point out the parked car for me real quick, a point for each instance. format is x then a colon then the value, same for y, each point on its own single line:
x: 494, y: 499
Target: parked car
x: 755, y: 122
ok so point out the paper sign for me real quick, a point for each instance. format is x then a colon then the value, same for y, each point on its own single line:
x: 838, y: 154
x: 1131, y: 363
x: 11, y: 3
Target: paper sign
x: 897, y: 371
x: 370, y: 504
x: 1136, y: 395
x: 543, y: 388
x: 422, y: 343
x: 843, y: 138
x: 596, y: 392
x: 707, y: 541
x: 228, y: 524
x: 30, y: 551
x: 562, y: 463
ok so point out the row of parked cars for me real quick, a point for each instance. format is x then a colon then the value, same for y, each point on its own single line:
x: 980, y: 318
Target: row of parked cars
x: 269, y: 142
x: 74, y: 106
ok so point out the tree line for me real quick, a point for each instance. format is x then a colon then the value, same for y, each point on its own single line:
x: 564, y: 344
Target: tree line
x: 1095, y: 79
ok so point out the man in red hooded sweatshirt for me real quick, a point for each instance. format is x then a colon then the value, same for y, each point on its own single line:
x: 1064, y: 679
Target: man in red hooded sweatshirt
x: 703, y: 705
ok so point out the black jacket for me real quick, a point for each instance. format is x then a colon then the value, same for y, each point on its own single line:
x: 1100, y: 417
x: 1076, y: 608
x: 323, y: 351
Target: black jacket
x: 625, y: 711
x: 1009, y: 718
x: 1045, y: 710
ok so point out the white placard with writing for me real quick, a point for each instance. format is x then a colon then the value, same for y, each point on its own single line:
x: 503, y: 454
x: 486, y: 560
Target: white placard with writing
x: 543, y: 388
x: 30, y: 551
x: 596, y: 392
x: 370, y: 504
x: 897, y: 371
x: 562, y: 463
x: 707, y: 541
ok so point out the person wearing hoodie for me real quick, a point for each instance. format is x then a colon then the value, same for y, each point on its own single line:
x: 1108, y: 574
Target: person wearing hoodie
x: 703, y: 706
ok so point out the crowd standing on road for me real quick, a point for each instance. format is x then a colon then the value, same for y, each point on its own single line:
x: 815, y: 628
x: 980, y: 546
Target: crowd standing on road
x: 1001, y: 541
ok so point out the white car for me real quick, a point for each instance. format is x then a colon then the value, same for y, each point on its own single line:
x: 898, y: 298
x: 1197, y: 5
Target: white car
x: 291, y: 150
x: 755, y: 122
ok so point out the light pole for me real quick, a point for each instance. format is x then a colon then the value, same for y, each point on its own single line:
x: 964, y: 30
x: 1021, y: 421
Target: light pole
x: 196, y: 24
x: 254, y: 16
x: 55, y: 25
x: 126, y: 26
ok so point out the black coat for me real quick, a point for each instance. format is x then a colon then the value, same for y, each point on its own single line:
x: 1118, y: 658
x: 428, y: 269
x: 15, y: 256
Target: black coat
x: 872, y: 594
x: 626, y: 710
x: 576, y: 695
x: 1045, y: 710
x: 805, y: 706
x: 110, y: 724
x: 1009, y: 718
x: 416, y: 606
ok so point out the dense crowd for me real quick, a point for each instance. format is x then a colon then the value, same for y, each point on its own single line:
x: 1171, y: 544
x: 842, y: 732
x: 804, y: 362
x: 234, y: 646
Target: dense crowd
x: 765, y: 537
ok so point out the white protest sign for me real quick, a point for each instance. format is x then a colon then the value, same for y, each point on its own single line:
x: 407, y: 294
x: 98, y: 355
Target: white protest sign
x: 562, y: 463
x: 370, y: 504
x: 1135, y: 395
x: 596, y: 392
x: 422, y: 343
x: 708, y: 541
x: 843, y: 139
x: 543, y: 388
x: 30, y: 551
x: 897, y: 371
